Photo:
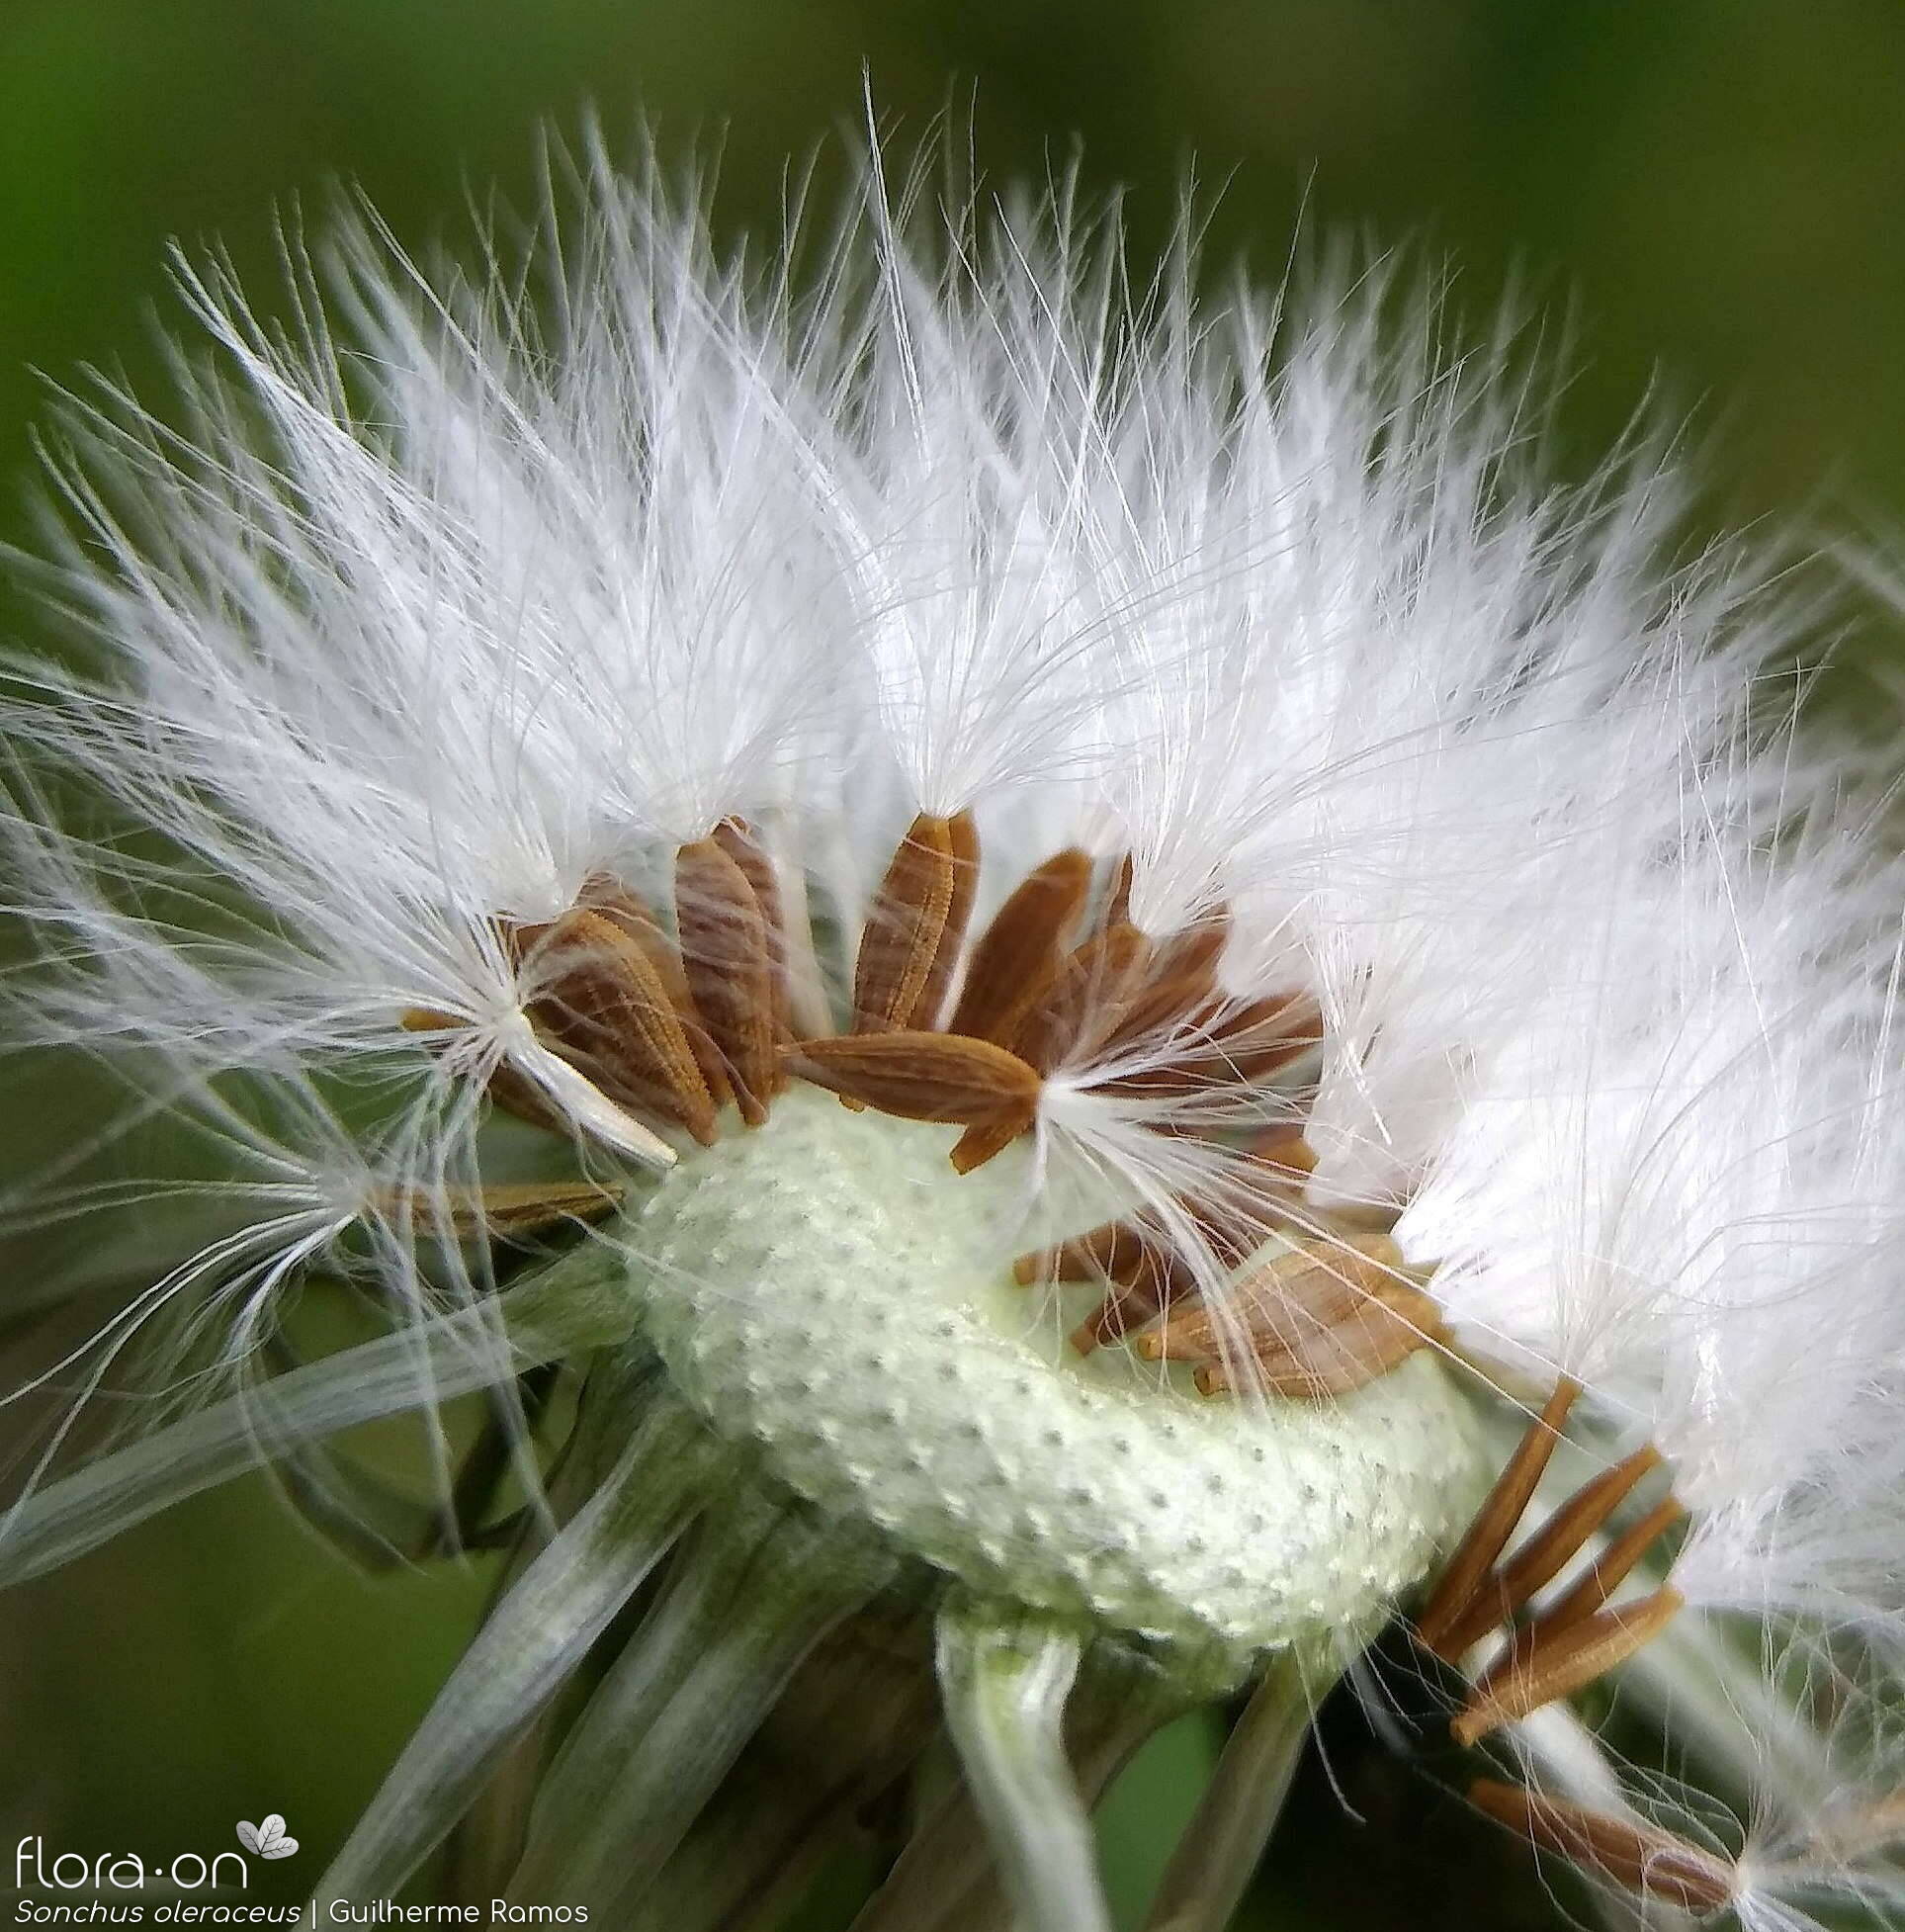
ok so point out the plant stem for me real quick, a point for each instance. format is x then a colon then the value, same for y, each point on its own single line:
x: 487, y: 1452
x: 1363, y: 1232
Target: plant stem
x: 1005, y: 1676
x: 1214, y: 1860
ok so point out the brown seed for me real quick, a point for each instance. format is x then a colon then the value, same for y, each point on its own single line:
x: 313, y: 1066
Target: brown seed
x: 633, y: 917
x: 1325, y: 1268
x: 1070, y: 1014
x: 607, y: 1008
x: 1182, y: 981
x: 1159, y: 1009
x: 728, y: 968
x: 1493, y: 1522
x: 517, y: 1094
x: 1336, y: 1357
x: 1304, y: 1289
x: 916, y: 916
x: 738, y: 841
x: 614, y: 901
x: 1234, y: 1219
x: 1610, y: 1568
x: 1541, y: 1557
x: 1530, y: 1674
x: 1654, y: 1863
x: 1193, y: 950
x: 1116, y: 910
x: 1272, y: 1203
x: 1082, y: 1000
x: 1235, y: 1228
x: 1258, y: 1195
x: 980, y: 1142
x: 1115, y: 1251
x: 1238, y: 1045
x: 503, y: 1208
x: 1284, y: 1150
x: 1144, y: 1267
x: 964, y: 836
x: 941, y: 1077
x: 1020, y: 950
x: 427, y: 1019
x: 518, y: 937
x: 1124, y: 1308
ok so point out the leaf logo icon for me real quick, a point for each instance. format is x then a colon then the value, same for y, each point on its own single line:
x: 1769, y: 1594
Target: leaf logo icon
x: 267, y: 1838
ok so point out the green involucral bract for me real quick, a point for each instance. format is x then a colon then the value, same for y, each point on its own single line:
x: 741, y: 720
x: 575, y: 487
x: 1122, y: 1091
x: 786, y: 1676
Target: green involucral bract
x: 829, y: 1288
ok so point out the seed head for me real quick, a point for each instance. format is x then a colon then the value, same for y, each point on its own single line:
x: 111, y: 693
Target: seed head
x: 1024, y: 950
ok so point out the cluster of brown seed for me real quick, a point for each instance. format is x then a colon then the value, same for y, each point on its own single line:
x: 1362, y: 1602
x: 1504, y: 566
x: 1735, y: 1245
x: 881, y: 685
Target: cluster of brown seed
x: 1566, y: 1644
x: 672, y: 1029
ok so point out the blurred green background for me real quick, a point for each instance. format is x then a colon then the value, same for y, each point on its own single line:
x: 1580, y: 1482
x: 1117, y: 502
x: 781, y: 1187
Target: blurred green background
x: 1713, y: 190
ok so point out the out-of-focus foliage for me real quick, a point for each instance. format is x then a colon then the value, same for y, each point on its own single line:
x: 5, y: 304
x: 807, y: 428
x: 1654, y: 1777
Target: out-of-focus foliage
x: 1719, y: 182
x: 1712, y: 191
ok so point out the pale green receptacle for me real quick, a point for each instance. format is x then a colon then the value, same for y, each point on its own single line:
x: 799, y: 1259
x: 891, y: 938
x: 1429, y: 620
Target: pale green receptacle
x: 829, y: 1288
